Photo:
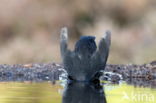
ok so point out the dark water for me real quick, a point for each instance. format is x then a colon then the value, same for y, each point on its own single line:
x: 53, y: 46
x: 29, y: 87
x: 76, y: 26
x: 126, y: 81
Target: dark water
x: 47, y: 92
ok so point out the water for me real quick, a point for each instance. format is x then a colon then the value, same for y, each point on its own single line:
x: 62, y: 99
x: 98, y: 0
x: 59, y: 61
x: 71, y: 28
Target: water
x: 57, y: 92
x: 27, y: 92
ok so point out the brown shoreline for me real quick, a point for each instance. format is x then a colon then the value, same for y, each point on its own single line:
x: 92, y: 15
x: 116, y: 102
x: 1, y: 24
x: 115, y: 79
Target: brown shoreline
x: 51, y: 71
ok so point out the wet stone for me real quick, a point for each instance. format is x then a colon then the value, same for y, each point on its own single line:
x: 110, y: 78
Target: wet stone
x: 153, y: 63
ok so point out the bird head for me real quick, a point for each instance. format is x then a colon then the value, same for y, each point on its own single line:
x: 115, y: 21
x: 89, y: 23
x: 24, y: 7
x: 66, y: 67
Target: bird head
x: 85, y: 45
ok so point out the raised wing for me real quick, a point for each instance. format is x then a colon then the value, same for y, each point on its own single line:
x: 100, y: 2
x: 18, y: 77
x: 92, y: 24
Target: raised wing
x: 64, y: 41
x: 104, y: 46
x: 99, y: 59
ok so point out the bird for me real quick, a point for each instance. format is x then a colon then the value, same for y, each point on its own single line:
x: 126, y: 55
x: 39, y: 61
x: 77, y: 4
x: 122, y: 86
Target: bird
x: 85, y: 46
x: 87, y: 60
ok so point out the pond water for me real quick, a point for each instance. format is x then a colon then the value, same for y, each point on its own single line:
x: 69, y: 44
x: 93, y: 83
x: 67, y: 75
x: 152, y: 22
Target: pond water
x: 57, y: 92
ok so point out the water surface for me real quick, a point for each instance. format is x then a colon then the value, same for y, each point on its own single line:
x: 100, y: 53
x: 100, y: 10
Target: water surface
x: 47, y: 92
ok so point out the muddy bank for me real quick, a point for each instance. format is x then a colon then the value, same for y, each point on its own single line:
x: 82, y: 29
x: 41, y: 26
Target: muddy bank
x: 52, y: 71
x: 145, y: 71
x: 30, y: 72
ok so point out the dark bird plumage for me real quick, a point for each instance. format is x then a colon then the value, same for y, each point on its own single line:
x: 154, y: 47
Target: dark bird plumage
x: 87, y: 60
x: 85, y: 45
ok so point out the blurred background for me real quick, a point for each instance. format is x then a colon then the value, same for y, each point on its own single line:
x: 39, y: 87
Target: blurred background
x: 29, y: 29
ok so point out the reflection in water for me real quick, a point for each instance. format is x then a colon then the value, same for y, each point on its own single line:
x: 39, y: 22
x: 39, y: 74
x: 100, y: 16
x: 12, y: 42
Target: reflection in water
x: 83, y: 93
x: 47, y: 92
